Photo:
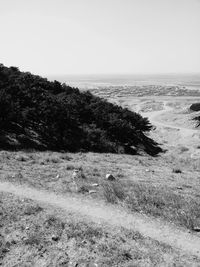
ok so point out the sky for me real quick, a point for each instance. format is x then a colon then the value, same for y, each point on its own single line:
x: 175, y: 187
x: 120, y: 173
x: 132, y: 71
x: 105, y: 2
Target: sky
x: 57, y: 37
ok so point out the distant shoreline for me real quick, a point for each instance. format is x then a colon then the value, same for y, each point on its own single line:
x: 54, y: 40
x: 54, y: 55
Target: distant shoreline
x: 183, y: 81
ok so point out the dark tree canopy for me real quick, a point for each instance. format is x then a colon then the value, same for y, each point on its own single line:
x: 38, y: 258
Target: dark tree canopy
x: 37, y: 113
x: 195, y: 107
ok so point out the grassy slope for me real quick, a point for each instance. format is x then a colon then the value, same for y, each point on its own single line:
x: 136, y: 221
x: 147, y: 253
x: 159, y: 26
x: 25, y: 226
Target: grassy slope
x: 33, y: 235
x: 161, y: 187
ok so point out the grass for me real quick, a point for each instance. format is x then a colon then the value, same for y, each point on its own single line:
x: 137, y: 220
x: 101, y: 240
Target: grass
x: 166, y: 188
x: 157, y: 202
x: 113, y: 191
x: 183, y: 149
x: 47, y: 237
x: 185, y: 162
x: 162, y: 203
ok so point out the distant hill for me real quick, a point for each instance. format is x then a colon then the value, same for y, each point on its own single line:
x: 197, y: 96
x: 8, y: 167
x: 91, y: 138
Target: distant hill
x: 38, y: 114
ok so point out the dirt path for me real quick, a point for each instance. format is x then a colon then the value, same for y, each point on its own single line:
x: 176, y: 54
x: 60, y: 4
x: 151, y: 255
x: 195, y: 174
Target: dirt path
x: 153, y: 117
x: 101, y: 213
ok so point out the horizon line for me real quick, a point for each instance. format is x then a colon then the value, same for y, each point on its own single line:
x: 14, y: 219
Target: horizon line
x: 123, y: 74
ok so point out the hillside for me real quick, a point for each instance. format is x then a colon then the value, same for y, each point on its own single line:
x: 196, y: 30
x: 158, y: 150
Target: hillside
x: 50, y: 229
x: 36, y: 113
x: 148, y: 216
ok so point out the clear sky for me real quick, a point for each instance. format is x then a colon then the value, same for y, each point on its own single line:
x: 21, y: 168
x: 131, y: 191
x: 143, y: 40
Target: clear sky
x: 100, y: 36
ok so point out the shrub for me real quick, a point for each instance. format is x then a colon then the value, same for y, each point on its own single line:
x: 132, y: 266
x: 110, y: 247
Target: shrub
x: 176, y: 170
x: 195, y: 107
x: 33, y: 240
x: 32, y: 210
x: 184, y: 149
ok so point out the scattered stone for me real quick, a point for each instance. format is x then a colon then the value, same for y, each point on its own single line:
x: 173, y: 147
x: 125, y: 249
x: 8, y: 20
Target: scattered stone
x: 110, y: 177
x: 92, y: 192
x: 55, y: 237
x: 195, y: 156
x: 176, y: 170
x: 78, y: 174
x: 92, y: 265
x: 94, y: 185
x: 75, y: 173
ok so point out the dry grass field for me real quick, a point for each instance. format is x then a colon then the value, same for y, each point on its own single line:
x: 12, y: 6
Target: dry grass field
x: 35, y: 235
x: 166, y: 187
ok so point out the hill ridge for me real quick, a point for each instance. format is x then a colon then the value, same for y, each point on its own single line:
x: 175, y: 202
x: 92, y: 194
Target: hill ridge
x: 37, y: 113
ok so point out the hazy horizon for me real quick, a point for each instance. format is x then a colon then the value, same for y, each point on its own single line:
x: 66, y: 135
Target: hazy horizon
x: 98, y: 37
x: 125, y: 74
x: 189, y: 81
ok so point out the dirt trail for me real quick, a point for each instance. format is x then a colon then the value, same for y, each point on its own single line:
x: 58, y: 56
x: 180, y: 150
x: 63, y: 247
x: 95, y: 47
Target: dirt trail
x: 153, y: 117
x: 101, y: 213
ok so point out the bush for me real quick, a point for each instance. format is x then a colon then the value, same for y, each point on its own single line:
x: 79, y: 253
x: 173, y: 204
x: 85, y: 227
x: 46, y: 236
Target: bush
x: 176, y: 170
x: 195, y: 107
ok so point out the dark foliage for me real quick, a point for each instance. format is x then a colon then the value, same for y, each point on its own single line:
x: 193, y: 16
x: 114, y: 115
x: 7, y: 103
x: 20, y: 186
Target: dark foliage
x: 197, y: 119
x: 37, y: 113
x: 195, y: 107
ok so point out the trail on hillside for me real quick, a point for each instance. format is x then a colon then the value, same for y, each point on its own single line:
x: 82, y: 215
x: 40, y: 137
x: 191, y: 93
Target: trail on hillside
x: 101, y: 213
x: 153, y: 118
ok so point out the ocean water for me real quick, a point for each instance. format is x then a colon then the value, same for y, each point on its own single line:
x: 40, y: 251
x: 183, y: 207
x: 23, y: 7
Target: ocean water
x: 189, y: 81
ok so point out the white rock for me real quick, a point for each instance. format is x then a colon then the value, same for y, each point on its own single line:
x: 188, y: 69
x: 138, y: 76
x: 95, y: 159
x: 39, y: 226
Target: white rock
x: 92, y: 191
x: 110, y: 177
x: 94, y: 185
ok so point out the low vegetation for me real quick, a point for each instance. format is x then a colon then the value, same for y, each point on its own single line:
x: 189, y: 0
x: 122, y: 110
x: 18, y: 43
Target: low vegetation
x: 37, y: 113
x: 32, y: 235
x: 155, y: 201
x: 164, y: 189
